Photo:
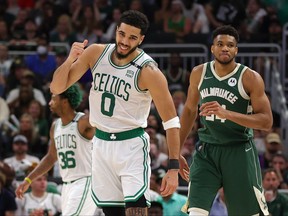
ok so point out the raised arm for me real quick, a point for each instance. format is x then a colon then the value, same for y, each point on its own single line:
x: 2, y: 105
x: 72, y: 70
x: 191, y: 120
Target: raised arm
x: 71, y: 70
x: 75, y: 66
x: 43, y: 167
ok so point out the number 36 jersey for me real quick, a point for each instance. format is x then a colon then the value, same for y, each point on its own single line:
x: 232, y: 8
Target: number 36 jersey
x: 73, y: 150
x: 116, y: 102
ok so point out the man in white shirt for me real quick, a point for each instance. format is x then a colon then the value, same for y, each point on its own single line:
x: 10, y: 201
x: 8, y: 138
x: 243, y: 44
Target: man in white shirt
x: 20, y: 161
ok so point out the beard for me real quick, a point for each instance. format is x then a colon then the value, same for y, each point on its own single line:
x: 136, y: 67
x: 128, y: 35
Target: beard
x: 123, y: 56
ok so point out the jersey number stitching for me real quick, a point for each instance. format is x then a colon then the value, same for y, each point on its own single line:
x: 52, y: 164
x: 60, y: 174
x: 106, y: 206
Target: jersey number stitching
x: 67, y: 159
x: 107, y: 104
x: 212, y: 117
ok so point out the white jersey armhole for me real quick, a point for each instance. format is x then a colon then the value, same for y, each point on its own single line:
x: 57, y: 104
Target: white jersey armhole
x: 202, y: 75
x: 240, y: 85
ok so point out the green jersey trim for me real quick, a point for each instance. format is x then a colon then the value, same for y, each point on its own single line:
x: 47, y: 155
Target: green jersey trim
x: 226, y: 76
x: 124, y: 66
x: 136, y: 78
x: 76, y: 118
x: 139, y: 193
x: 101, y: 56
x: 84, y: 196
x: 145, y: 177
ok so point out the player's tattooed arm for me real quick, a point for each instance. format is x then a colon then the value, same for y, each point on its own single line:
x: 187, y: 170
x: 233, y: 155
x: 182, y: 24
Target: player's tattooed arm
x: 151, y: 65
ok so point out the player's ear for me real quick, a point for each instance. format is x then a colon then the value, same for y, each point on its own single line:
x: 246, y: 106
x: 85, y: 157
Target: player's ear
x: 141, y: 40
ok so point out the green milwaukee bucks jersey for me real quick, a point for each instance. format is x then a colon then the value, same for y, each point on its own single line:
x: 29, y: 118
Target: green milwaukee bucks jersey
x: 116, y: 102
x: 73, y: 150
x: 229, y: 92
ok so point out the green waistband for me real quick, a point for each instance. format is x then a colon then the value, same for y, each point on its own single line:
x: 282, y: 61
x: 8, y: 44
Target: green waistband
x: 119, y: 136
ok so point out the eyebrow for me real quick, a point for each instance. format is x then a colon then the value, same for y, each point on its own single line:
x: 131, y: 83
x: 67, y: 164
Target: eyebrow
x: 133, y: 36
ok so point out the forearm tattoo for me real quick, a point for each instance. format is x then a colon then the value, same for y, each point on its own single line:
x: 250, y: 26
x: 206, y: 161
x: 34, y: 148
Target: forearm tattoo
x: 137, y: 211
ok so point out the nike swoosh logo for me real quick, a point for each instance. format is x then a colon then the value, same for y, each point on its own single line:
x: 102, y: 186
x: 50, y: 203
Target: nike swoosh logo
x: 248, y: 149
x: 208, y: 77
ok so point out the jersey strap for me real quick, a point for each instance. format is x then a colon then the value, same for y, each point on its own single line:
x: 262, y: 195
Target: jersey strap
x: 119, y: 136
x: 136, y: 65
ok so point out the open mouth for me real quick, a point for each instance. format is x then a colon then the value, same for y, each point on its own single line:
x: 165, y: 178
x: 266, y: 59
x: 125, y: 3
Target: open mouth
x: 123, y: 47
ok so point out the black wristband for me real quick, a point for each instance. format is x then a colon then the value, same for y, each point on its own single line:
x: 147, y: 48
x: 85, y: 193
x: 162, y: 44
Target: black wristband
x: 173, y: 164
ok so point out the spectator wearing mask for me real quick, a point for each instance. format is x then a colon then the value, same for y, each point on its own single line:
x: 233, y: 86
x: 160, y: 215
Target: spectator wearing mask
x: 42, y: 64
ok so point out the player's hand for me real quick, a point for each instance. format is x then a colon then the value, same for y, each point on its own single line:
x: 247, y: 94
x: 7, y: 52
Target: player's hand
x: 184, y: 168
x: 213, y: 108
x: 21, y: 189
x: 169, y: 182
x: 40, y: 212
x: 77, y: 49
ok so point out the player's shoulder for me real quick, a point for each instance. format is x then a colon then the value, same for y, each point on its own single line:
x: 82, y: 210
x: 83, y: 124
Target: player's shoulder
x: 83, y: 117
x: 197, y: 71
x: 96, y: 48
x: 198, y: 68
x: 251, y: 74
x: 55, y: 122
x: 94, y: 51
x: 54, y: 125
x: 150, y: 66
x: 84, y: 123
x: 150, y: 69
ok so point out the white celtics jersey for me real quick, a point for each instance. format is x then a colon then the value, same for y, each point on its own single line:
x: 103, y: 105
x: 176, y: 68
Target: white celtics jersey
x: 50, y: 202
x: 116, y: 102
x: 73, y: 150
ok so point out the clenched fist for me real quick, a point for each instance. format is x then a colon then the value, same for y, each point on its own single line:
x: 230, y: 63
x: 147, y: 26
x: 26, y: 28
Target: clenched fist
x: 77, y: 49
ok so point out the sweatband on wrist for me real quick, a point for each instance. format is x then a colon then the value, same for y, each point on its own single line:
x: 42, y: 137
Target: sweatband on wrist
x: 172, y: 123
x: 27, y: 179
x: 173, y: 164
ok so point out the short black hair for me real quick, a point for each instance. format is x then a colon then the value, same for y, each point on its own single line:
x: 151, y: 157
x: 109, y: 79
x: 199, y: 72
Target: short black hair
x: 136, y: 19
x: 156, y: 204
x: 74, y: 96
x: 226, y: 30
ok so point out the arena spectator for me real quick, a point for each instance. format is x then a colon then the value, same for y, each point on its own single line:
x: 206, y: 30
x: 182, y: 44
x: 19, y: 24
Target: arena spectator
x: 276, y: 201
x: 21, y: 160
x: 7, y: 202
x: 38, y: 201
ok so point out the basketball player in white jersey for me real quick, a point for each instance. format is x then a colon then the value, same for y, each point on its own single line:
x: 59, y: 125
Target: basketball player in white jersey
x: 71, y: 143
x: 125, y: 81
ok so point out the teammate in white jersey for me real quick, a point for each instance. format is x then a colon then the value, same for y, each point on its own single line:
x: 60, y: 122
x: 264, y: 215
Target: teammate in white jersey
x: 125, y: 81
x: 71, y: 142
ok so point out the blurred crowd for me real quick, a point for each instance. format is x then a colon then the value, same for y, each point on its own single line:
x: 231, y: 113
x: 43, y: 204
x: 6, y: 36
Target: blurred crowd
x: 25, y: 118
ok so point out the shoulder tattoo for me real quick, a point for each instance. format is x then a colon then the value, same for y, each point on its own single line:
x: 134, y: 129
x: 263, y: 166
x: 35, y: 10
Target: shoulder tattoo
x: 151, y: 65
